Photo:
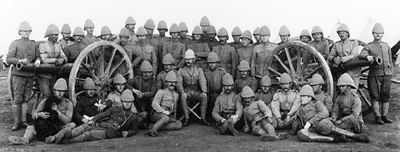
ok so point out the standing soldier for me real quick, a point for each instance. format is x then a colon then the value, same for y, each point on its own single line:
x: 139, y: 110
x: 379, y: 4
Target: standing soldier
x: 285, y: 103
x: 345, y: 50
x: 22, y: 51
x: 204, y: 24
x: 236, y: 33
x: 262, y: 54
x: 190, y: 80
x: 257, y: 116
x: 211, y: 33
x: 165, y: 104
x: 321, y: 45
x: 130, y: 26
x: 265, y: 94
x: 175, y: 48
x: 73, y: 51
x: 245, y: 52
x: 317, y: 83
x: 305, y: 36
x: 226, y: 53
x: 168, y: 63
x: 149, y: 26
x: 145, y: 87
x: 379, y: 76
x: 257, y: 37
x: 66, y: 33
x: 105, y: 34
x: 284, y: 34
x: 228, y: 108
x: 89, y: 28
x: 162, y: 39
x: 214, y: 75
x: 182, y: 36
x: 50, y: 53
x: 245, y: 79
x: 200, y: 48
x: 146, y: 50
x: 133, y: 54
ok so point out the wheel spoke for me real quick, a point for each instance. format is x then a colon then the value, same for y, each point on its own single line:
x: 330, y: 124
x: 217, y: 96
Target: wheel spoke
x: 110, y: 61
x: 299, y: 70
x: 364, y: 98
x: 274, y: 71
x: 115, y: 67
x: 312, y: 73
x: 290, y: 63
x: 77, y: 94
x: 102, y: 62
x: 282, y: 64
x: 95, y: 78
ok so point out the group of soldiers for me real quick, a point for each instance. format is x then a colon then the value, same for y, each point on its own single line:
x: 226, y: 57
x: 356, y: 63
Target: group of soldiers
x: 230, y: 82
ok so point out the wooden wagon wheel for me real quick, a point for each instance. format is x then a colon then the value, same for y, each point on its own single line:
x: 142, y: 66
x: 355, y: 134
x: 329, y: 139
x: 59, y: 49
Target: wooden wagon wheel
x: 106, y: 59
x: 300, y: 71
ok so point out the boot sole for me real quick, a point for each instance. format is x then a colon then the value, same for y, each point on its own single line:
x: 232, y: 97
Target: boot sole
x: 269, y: 138
x: 17, y: 140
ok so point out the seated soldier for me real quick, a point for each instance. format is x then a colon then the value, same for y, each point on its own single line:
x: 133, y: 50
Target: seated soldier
x: 213, y: 76
x: 228, y: 108
x: 265, y: 94
x: 64, y: 110
x: 145, y: 87
x: 312, y: 119
x: 88, y: 105
x: 168, y: 62
x: 245, y: 78
x: 164, y: 105
x: 257, y: 116
x: 317, y: 83
x: 285, y: 103
x: 113, y: 123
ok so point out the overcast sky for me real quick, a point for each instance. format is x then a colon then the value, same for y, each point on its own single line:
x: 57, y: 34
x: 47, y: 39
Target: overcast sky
x: 295, y: 14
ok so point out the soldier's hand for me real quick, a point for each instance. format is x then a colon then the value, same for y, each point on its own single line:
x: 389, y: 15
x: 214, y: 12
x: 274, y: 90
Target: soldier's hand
x: 167, y: 113
x: 338, y: 122
x: 287, y: 119
x: 54, y: 107
x: 59, y: 61
x: 37, y: 63
x: 44, y: 115
x: 246, y: 129
x: 337, y: 60
x: 223, y: 120
x: 280, y: 122
x: 124, y: 134
x: 85, y: 121
x: 90, y: 122
x: 370, y: 59
x: 235, y: 118
x: 23, y: 61
x: 253, y: 123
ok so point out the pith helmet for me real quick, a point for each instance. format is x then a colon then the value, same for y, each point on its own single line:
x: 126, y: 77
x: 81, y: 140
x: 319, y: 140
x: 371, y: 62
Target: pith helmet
x: 124, y: 32
x: 168, y: 59
x: 222, y: 32
x: 285, y: 78
x: 227, y: 79
x: 306, y: 90
x: 78, y: 31
x: 212, y: 57
x: 119, y: 79
x: 236, y: 31
x: 66, y: 29
x: 61, y: 85
x: 345, y: 79
x: 247, y: 92
x: 204, y: 21
x: 162, y: 25
x: 305, y: 33
x: 88, y: 23
x: 244, y: 65
x: 141, y: 31
x: 257, y: 31
x: 174, y: 28
x: 197, y: 30
x: 171, y: 76
x: 211, y: 30
x: 150, y: 24
x: 378, y: 28
x: 127, y: 95
x: 284, y: 30
x: 146, y: 66
x: 343, y: 27
x: 105, y: 30
x: 247, y: 34
x: 52, y: 29
x: 189, y: 54
x: 183, y: 27
x: 24, y: 26
x: 266, y: 81
x: 316, y: 29
x: 264, y: 30
x: 130, y: 20
x: 88, y: 84
x: 317, y: 79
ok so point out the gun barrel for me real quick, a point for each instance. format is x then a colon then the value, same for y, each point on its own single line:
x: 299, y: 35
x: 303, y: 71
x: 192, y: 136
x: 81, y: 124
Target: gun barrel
x: 46, y: 68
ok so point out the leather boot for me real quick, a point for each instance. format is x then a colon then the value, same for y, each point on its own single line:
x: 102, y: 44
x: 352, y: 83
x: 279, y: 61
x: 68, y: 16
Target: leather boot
x: 186, y: 122
x: 153, y: 131
x: 67, y: 136
x: 185, y: 109
x: 59, y: 137
x: 82, y: 137
x: 17, y: 117
x: 203, y: 110
x: 295, y: 128
x: 24, y: 109
x: 205, y: 122
x: 305, y: 135
x: 377, y: 112
x: 339, y: 139
x: 385, y: 110
x: 231, y: 127
x: 271, y: 135
x: 350, y: 135
x: 172, y: 125
x: 28, y: 135
x: 222, y: 128
x: 378, y: 120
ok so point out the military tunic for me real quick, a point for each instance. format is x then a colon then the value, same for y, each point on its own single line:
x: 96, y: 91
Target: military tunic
x: 262, y: 54
x: 285, y: 102
x: 73, y: 51
x: 347, y: 108
x: 326, y: 99
x: 240, y: 83
x: 177, y: 50
x: 201, y: 50
x: 227, y: 105
x: 149, y: 54
x: 227, y: 56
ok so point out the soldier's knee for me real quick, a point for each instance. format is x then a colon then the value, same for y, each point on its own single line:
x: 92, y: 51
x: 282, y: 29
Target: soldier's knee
x: 324, y: 127
x: 257, y: 130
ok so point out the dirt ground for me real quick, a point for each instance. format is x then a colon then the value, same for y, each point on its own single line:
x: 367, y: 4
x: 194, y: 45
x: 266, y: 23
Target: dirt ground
x: 202, y: 138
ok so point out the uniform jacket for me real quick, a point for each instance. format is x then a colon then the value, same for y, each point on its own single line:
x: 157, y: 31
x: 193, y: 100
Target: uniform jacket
x: 321, y: 46
x: 347, y: 105
x: 133, y: 54
x: 201, y: 50
x: 177, y: 50
x: 186, y: 41
x: 85, y: 106
x: 245, y: 53
x: 65, y: 107
x: 65, y: 43
x: 192, y: 79
x: 165, y: 100
x: 228, y: 58
x: 256, y: 111
x: 227, y: 105
x: 117, y: 120
x: 347, y: 50
x: 262, y: 54
x: 312, y: 112
x: 382, y: 50
x: 89, y: 39
x: 236, y: 45
x: 147, y: 87
x: 21, y: 49
x: 149, y: 54
x: 49, y: 53
x: 326, y: 99
x: 73, y: 51
x: 240, y: 83
x: 266, y: 97
x: 214, y: 80
x: 115, y: 98
x: 283, y: 101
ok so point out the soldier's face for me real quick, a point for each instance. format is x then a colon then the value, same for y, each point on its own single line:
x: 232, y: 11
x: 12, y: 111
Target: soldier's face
x: 222, y: 39
x: 317, y: 36
x: 150, y: 31
x: 130, y: 27
x: 257, y: 37
x: 175, y: 35
x: 89, y: 30
x: 305, y: 39
x: 228, y: 88
x: 127, y: 104
x: 124, y: 40
x: 141, y: 38
x: 204, y: 28
x: 162, y: 32
x: 317, y: 88
x: 265, y: 89
x: 90, y: 92
x: 236, y: 38
x: 189, y: 61
x: 285, y: 86
x: 244, y: 74
x: 53, y: 37
x: 284, y: 38
x: 120, y: 87
x: 305, y: 99
x: 78, y: 38
x: 147, y: 75
x: 167, y: 67
x: 197, y: 37
x: 66, y: 35
x: 105, y: 37
x: 212, y: 65
x: 247, y: 100
x: 170, y: 85
x: 25, y: 34
x: 377, y: 36
x: 343, y: 88
x: 183, y: 34
x: 245, y: 41
x: 211, y: 36
x: 59, y: 93
x: 343, y: 35
x: 265, y: 38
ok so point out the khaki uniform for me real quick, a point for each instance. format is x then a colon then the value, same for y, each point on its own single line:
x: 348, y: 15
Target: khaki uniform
x: 159, y: 53
x: 65, y: 43
x: 262, y: 54
x: 148, y: 88
x: 161, y: 80
x: 227, y: 56
x: 284, y: 104
x: 266, y: 97
x: 240, y: 83
x: 89, y: 39
x: 347, y: 107
x: 236, y: 45
x: 326, y: 99
x: 149, y: 54
x: 257, y: 112
x: 73, y: 51
x: 214, y: 85
x: 133, y: 54
x: 212, y: 42
x: 85, y: 106
x: 313, y: 112
x: 177, y: 50
x: 201, y: 51
x: 186, y: 41
x: 321, y: 46
x: 165, y: 100
x: 115, y: 98
x: 227, y: 105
